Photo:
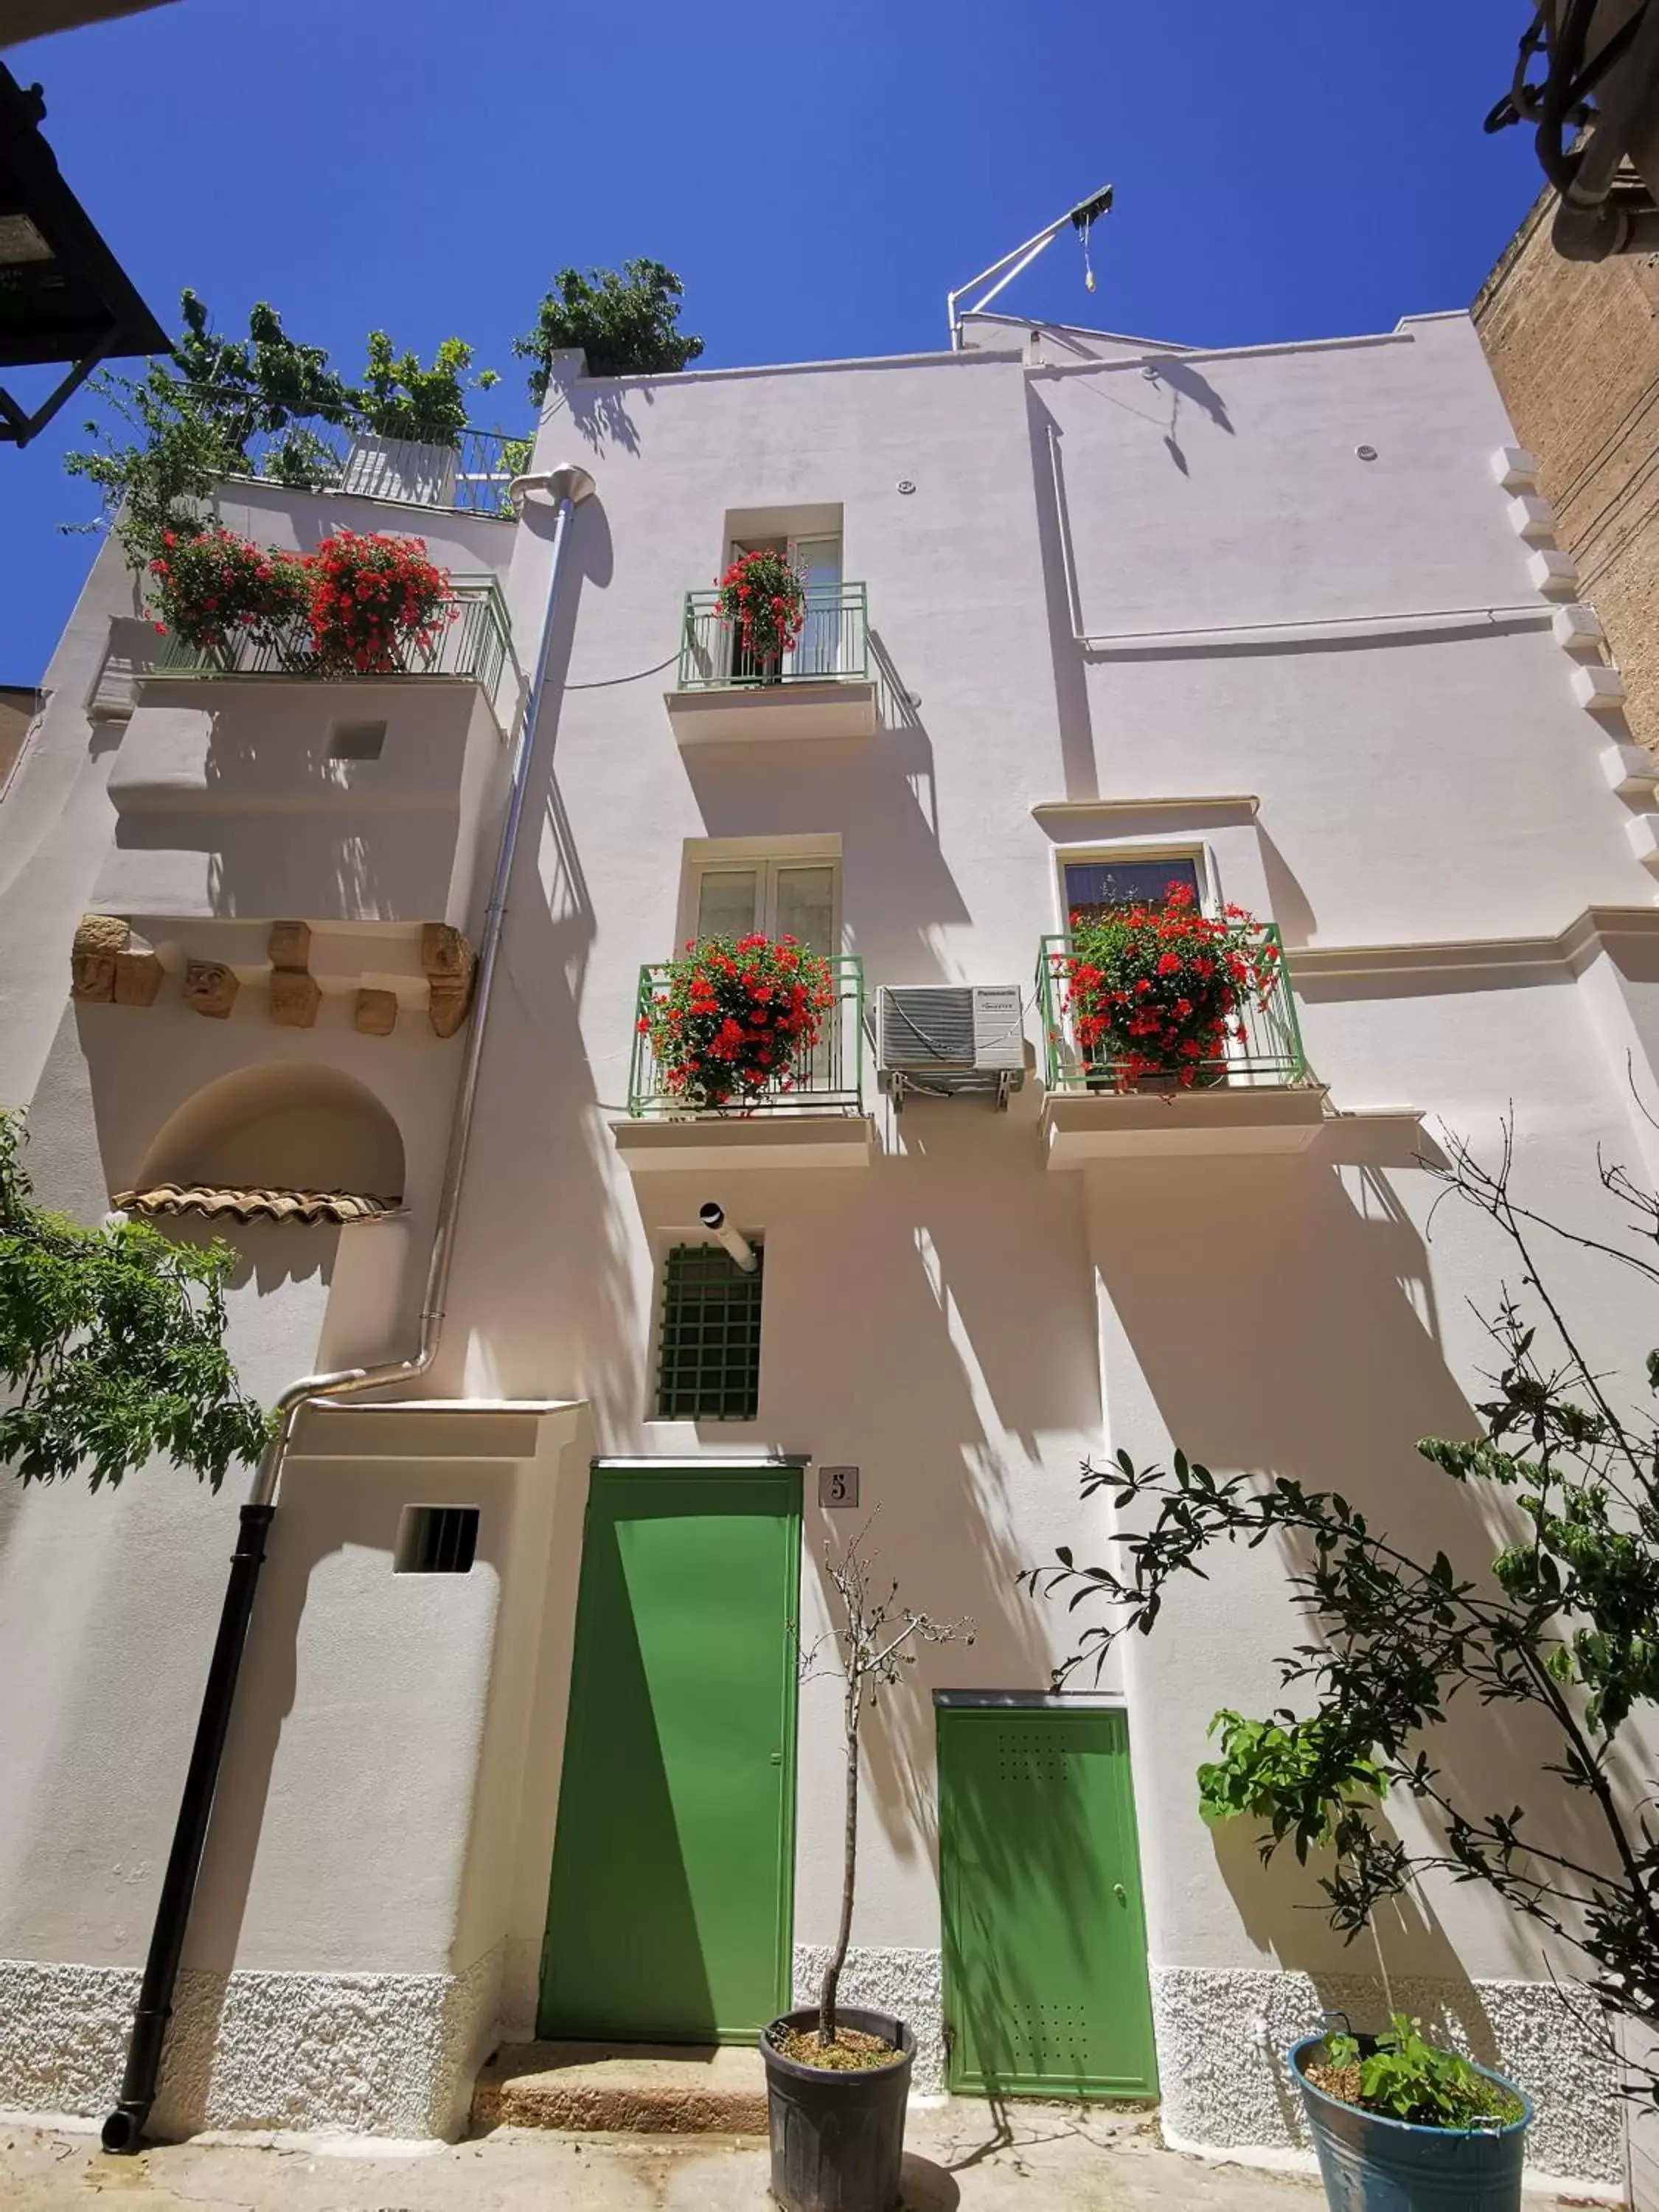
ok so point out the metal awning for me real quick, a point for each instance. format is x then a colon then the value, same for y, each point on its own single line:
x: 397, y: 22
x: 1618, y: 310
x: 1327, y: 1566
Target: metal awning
x: 64, y: 296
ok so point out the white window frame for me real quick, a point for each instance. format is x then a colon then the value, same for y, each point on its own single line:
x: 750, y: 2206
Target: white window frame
x: 763, y: 856
x: 1138, y: 849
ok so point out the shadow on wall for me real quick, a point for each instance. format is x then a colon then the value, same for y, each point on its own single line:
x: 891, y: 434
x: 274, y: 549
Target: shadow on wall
x: 879, y: 795
x: 541, y: 1152
x: 893, y: 1340
x: 1079, y: 765
x: 1298, y: 922
x: 1282, y: 1319
x: 287, y: 1125
x: 599, y: 411
x: 327, y: 857
x: 376, y: 1667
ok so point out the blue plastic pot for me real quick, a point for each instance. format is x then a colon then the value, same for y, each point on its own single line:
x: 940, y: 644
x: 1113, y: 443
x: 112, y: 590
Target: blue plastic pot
x: 1369, y: 2164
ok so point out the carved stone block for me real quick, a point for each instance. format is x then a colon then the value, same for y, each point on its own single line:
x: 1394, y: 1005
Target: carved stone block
x: 98, y: 939
x: 210, y: 988
x: 444, y: 951
x: 290, y: 944
x: 447, y: 999
x: 377, y: 1012
x: 92, y: 974
x: 294, y: 998
x: 101, y: 933
x: 137, y: 978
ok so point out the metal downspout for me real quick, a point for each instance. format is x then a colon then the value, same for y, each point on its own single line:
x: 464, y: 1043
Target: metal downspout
x: 123, y: 2131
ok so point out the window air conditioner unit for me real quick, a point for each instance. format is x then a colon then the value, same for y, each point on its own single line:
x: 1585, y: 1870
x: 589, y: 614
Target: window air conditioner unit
x: 948, y: 1040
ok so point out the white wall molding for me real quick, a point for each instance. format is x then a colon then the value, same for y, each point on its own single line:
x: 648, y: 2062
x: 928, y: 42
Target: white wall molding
x: 1560, y: 958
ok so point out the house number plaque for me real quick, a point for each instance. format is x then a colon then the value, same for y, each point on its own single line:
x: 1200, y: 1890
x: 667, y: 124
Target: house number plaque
x: 838, y: 1485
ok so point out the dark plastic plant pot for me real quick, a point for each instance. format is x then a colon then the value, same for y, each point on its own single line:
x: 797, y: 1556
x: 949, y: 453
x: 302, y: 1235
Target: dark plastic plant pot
x: 1370, y: 2163
x: 837, y: 2139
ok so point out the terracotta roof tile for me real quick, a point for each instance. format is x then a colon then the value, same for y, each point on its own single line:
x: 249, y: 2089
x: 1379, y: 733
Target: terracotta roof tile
x: 215, y: 1202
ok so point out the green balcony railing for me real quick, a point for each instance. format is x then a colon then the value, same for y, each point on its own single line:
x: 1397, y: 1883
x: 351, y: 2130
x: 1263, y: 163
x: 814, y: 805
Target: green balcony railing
x: 1268, y: 1053
x: 825, y: 1077
x: 476, y: 648
x: 834, y: 645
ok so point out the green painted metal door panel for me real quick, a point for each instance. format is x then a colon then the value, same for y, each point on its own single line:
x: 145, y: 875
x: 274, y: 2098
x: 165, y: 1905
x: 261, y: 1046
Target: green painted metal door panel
x: 669, y: 1908
x: 1045, y: 1937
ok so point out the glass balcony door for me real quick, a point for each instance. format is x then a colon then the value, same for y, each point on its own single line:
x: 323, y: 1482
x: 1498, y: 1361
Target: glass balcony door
x: 779, y: 898
x: 817, y: 650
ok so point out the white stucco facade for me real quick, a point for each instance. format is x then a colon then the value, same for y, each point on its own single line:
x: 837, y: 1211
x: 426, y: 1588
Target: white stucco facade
x: 1274, y: 610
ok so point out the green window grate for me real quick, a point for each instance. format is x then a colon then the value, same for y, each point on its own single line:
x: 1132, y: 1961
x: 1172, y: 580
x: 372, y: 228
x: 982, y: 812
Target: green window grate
x: 708, y: 1368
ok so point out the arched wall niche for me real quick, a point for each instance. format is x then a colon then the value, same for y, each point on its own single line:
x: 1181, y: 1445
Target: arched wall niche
x: 283, y: 1125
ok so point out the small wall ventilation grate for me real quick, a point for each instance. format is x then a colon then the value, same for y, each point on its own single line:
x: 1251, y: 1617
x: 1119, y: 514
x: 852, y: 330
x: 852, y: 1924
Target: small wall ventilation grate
x: 436, y: 1540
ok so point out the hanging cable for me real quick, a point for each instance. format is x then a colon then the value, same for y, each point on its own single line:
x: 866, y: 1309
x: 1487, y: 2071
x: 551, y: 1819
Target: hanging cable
x: 604, y: 683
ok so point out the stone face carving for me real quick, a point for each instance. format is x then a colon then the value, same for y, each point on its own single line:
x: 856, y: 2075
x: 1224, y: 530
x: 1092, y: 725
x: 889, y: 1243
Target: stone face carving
x: 377, y: 1012
x: 210, y: 988
x: 137, y: 978
x: 294, y: 998
x: 444, y: 951
x: 449, y: 962
x: 98, y: 939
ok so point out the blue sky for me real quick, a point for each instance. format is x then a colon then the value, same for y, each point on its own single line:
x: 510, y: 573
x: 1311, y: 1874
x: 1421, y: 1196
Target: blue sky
x: 820, y: 176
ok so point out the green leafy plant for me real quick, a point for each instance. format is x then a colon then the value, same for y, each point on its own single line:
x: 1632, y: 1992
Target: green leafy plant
x: 223, y: 406
x: 626, y: 324
x: 111, y: 1345
x: 401, y: 399
x: 185, y: 424
x: 1306, y: 1781
x: 213, y: 590
x: 1563, y: 1622
x: 1403, y: 2077
x: 513, y: 461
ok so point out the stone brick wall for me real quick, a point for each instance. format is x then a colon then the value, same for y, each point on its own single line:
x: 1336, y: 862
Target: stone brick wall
x: 1575, y: 349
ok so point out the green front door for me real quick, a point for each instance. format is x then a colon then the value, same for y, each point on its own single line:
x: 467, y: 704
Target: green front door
x: 669, y: 1915
x: 1045, y: 1940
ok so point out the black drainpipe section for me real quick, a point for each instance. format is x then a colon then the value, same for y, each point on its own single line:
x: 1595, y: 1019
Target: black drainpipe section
x: 125, y: 2124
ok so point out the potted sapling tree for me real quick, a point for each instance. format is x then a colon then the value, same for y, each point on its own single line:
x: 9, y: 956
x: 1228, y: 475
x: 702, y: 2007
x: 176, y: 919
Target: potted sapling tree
x: 838, y: 2076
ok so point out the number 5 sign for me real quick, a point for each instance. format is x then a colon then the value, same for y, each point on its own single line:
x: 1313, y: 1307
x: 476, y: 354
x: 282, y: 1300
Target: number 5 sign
x: 838, y: 1485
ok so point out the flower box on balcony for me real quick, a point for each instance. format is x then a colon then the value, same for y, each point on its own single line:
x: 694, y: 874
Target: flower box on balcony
x: 475, y: 647
x: 802, y: 1108
x: 1178, y: 1062
x: 821, y: 686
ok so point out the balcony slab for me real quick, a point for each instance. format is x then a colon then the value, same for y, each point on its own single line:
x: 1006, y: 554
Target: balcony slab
x: 756, y: 713
x: 762, y: 1140
x: 1081, y: 1127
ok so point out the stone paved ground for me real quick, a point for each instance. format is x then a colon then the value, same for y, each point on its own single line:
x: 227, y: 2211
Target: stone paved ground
x: 1053, y: 2159
x: 1059, y: 2159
